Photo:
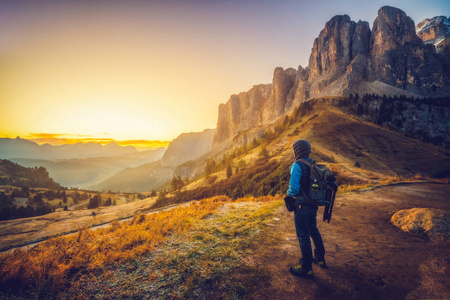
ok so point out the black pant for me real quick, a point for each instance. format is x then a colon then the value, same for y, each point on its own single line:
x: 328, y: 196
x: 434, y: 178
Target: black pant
x: 306, y: 227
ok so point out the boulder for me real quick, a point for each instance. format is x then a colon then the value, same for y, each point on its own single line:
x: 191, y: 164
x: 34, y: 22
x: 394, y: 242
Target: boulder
x: 435, y: 223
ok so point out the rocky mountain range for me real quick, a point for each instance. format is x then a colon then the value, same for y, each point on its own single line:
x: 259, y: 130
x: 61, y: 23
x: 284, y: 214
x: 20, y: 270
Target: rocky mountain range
x: 84, y: 172
x: 347, y: 57
x: 22, y: 148
x: 111, y: 166
x: 186, y: 147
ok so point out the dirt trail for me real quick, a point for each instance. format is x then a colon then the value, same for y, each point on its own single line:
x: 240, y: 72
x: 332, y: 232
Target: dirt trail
x: 368, y: 258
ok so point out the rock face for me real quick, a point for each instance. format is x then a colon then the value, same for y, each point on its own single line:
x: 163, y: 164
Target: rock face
x: 241, y: 112
x: 435, y: 31
x: 400, y: 58
x: 347, y: 57
x: 187, y: 146
x: 420, y: 118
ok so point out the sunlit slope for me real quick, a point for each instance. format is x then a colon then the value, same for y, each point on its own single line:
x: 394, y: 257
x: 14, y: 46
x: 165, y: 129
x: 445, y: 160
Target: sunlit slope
x: 219, y: 233
x: 341, y: 138
x: 348, y: 144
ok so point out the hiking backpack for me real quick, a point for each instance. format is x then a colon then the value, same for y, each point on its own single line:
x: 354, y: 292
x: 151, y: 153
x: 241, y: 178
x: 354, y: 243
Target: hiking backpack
x: 322, y: 189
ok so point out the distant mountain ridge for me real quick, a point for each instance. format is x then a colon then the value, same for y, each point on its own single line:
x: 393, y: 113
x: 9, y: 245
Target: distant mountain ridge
x: 84, y: 172
x: 22, y: 148
x: 347, y: 57
x: 186, y: 147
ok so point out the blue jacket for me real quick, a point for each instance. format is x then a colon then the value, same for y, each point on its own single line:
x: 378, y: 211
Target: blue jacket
x: 296, y: 175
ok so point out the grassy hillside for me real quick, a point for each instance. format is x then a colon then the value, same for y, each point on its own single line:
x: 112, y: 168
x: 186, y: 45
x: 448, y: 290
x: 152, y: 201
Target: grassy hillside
x: 17, y: 175
x: 218, y: 231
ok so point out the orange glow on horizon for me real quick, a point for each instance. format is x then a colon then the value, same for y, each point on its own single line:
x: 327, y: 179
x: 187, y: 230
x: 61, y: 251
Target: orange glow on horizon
x: 62, y: 139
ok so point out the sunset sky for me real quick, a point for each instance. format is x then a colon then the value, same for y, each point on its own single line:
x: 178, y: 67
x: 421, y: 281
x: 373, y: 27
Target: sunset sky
x: 150, y: 70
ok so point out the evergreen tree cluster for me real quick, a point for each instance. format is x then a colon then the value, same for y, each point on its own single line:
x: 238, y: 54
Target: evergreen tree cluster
x: 35, y: 207
x: 177, y: 183
x: 95, y: 201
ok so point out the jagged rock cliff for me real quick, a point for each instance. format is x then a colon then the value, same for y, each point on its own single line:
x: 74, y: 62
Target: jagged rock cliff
x: 242, y: 112
x: 347, y: 57
x: 400, y: 58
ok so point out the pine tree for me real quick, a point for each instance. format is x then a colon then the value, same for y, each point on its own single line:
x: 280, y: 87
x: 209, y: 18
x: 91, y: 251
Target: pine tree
x: 177, y: 183
x: 229, y: 171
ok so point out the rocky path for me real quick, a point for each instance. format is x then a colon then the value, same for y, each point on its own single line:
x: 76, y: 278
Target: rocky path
x: 368, y: 257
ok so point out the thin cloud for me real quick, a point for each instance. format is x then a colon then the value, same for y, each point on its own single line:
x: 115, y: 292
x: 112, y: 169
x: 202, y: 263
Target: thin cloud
x: 61, y: 139
x: 144, y: 143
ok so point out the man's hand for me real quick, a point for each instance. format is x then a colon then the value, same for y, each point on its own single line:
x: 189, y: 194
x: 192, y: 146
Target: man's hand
x: 290, y: 203
x: 289, y: 198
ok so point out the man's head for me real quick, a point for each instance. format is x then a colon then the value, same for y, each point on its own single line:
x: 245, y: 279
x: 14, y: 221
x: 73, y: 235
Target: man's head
x: 302, y: 149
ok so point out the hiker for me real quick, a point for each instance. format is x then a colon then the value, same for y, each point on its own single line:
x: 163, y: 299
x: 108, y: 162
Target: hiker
x: 304, y: 214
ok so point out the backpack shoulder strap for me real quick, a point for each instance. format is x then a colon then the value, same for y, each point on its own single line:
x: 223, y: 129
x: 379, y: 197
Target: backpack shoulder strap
x: 306, y: 162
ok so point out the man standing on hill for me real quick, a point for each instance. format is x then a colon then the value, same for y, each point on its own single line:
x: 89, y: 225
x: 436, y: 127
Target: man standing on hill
x: 305, y: 214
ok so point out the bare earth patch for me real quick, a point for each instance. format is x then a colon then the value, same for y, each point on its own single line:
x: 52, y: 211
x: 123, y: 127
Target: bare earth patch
x: 367, y: 257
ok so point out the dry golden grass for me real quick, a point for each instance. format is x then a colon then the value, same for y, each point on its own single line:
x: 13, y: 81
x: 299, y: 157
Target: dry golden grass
x: 18, y: 231
x: 50, y: 264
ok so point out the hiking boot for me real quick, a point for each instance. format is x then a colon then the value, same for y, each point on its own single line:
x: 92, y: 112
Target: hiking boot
x: 299, y: 270
x: 320, y: 261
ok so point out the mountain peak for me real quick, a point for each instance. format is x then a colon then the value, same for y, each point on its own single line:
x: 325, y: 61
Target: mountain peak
x: 22, y: 148
x: 339, y: 18
x: 390, y: 11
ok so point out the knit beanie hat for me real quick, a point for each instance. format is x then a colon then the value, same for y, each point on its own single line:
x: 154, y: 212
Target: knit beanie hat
x: 301, y: 149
